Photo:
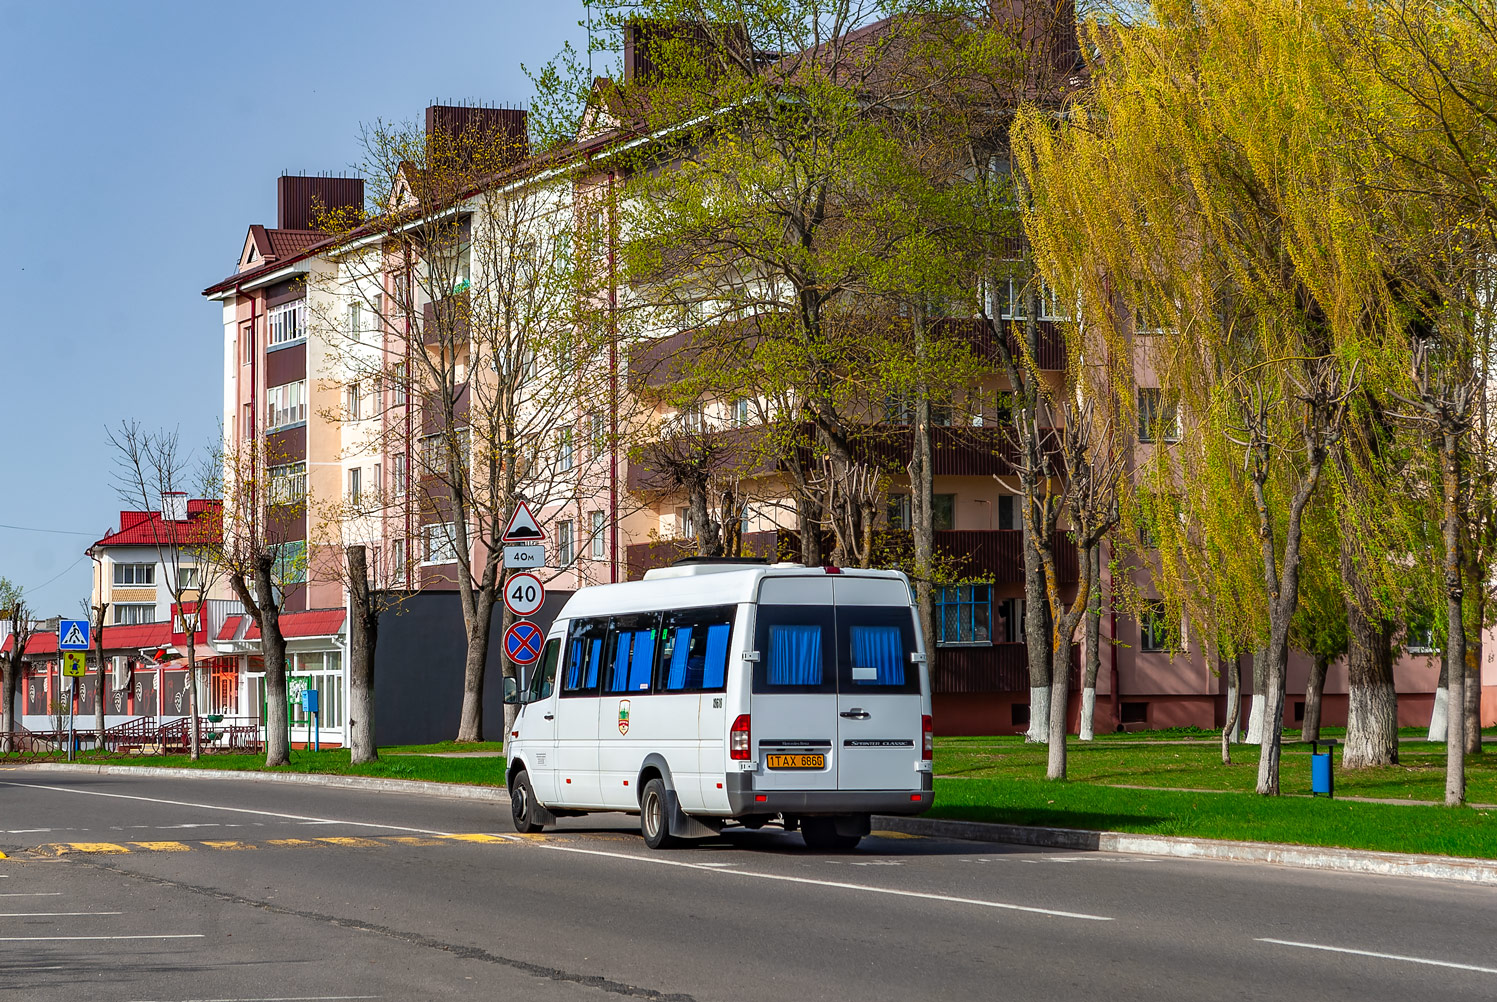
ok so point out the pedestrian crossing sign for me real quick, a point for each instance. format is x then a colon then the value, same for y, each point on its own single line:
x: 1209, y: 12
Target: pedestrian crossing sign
x: 73, y: 664
x: 72, y: 635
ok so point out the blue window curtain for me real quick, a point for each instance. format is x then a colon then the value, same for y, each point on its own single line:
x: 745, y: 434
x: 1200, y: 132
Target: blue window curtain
x: 574, y: 665
x: 676, y: 678
x: 641, y: 661
x: 876, y: 655
x: 594, y: 656
x: 794, y: 655
x: 618, y: 676
x: 715, y: 673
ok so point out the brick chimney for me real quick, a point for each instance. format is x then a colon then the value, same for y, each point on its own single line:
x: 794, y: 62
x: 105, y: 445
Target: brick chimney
x: 506, y: 125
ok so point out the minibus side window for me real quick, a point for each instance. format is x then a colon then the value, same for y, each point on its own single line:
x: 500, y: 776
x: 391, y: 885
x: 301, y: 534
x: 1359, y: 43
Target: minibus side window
x: 584, y: 657
x: 631, y: 652
x: 544, y: 676
x: 694, y: 650
x: 796, y: 646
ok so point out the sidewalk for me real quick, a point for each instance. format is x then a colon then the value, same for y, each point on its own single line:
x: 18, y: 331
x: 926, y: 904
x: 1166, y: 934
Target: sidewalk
x: 1478, y: 871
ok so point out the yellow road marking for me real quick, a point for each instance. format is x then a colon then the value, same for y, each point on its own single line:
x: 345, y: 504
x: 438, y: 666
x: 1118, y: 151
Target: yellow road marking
x: 229, y: 845
x: 334, y: 840
x: 410, y: 840
x: 888, y: 834
x: 477, y: 838
x: 100, y: 847
x: 292, y: 843
x: 164, y: 846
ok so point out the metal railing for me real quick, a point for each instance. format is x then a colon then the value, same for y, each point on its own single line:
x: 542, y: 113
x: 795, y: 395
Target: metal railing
x: 135, y: 737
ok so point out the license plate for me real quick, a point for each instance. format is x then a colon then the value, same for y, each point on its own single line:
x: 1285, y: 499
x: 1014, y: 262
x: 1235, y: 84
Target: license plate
x: 795, y: 761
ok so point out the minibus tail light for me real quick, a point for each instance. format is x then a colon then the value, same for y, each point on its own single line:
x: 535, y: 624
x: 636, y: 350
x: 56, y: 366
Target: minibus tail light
x: 738, y: 739
x: 927, y: 737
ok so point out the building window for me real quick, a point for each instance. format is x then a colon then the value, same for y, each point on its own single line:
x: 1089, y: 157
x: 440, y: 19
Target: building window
x: 285, y: 405
x: 354, y: 401
x: 685, y: 525
x: 897, y: 409
x: 356, y: 322
x: 134, y: 613
x: 1003, y: 407
x: 288, y: 483
x: 1008, y: 627
x: 692, y: 419
x: 600, y: 542
x: 247, y: 342
x: 397, y: 560
x: 134, y: 575
x: 597, y: 433
x: 441, y: 542
x: 399, y: 473
x: 565, y: 554
x: 1052, y: 306
x: 1158, y: 416
x: 378, y: 482
x: 355, y: 486
x: 964, y: 614
x: 1154, y: 633
x: 741, y: 412
x: 1009, y: 512
x: 290, y: 562
x: 397, y: 387
x: 943, y: 512
x: 288, y: 322
x: 564, y: 449
x: 188, y: 579
x: 247, y: 426
x: 899, y: 511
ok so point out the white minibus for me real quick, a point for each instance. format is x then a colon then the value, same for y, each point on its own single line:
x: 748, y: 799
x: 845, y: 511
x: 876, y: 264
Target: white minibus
x: 717, y: 692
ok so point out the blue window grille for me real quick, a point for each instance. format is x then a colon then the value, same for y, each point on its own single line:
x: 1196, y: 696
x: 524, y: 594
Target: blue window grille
x: 964, y: 614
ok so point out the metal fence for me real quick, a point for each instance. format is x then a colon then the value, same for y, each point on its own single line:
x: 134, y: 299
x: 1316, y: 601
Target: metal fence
x: 134, y: 738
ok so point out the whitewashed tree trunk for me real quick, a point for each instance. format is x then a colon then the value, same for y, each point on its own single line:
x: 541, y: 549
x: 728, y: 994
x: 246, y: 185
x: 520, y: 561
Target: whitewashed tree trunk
x: 1439, y: 718
x: 1088, y: 708
x: 1039, y: 715
x: 1255, y: 712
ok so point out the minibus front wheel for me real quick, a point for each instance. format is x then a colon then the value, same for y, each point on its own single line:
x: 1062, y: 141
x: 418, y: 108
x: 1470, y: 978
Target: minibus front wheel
x: 522, y: 805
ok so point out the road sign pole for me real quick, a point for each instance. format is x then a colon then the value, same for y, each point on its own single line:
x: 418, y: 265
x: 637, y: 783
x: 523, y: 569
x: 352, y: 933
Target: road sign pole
x: 72, y: 713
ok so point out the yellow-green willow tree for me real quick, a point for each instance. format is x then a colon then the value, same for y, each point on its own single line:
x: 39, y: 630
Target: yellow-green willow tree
x: 1186, y: 186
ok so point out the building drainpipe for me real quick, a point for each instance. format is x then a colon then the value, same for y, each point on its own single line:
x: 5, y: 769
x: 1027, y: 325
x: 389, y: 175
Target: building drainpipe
x: 410, y: 466
x: 613, y: 397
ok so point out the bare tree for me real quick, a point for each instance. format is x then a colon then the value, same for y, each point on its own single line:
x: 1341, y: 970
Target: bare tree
x: 152, y: 469
x: 13, y: 608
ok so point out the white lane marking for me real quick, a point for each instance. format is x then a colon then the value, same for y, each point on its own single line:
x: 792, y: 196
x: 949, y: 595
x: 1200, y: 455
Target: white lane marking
x: 32, y: 894
x: 49, y: 914
x: 834, y: 883
x: 71, y: 939
x: 278, y: 998
x: 1382, y: 956
x: 216, y: 807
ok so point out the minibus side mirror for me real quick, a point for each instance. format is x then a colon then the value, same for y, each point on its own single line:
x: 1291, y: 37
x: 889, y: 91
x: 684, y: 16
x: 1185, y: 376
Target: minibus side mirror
x: 511, y: 691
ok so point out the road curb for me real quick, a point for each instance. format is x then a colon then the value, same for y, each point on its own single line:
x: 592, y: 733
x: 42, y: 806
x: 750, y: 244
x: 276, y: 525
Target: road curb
x: 454, y: 791
x: 1392, y: 864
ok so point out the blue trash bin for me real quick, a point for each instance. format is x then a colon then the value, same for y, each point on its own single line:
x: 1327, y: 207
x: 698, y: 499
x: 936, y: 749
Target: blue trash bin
x: 1322, y: 771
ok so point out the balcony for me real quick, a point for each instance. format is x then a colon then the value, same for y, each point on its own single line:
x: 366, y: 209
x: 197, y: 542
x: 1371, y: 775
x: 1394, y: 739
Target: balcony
x: 446, y: 321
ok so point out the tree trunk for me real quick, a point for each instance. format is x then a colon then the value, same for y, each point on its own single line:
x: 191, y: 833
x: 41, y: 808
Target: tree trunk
x: 1255, y: 709
x: 193, y: 708
x: 1233, y: 672
x: 363, y: 635
x: 1473, y: 666
x: 1037, y: 641
x: 1439, y: 713
x: 1314, y: 689
x: 1060, y: 705
x: 102, y: 691
x: 1092, y: 640
x: 922, y: 515
x: 1372, y: 701
x: 470, y: 725
x: 273, y: 648
x: 10, y: 672
x: 808, y: 518
x: 1272, y: 699
x: 1455, y: 648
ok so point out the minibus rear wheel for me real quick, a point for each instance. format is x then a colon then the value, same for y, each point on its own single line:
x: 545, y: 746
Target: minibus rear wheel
x: 522, y: 804
x: 654, y: 816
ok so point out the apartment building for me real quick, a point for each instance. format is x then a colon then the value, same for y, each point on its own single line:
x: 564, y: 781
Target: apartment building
x: 324, y: 353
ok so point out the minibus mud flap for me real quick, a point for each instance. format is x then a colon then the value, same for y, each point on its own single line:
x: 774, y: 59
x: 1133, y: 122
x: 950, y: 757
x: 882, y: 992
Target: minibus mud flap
x: 682, y: 826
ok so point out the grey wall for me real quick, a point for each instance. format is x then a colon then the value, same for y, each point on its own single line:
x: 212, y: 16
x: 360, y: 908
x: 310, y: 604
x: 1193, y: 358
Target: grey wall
x: 418, y: 669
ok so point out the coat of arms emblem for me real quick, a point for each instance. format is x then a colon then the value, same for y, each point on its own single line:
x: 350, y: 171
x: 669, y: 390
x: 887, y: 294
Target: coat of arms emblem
x: 623, y: 716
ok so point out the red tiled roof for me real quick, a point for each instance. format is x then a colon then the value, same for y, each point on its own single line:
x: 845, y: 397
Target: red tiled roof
x: 284, y: 242
x: 230, y: 627
x: 40, y: 643
x: 137, y: 636
x: 312, y: 623
x: 145, y: 528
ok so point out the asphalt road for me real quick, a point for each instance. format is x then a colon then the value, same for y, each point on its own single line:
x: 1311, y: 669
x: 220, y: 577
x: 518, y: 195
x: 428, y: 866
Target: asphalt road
x: 125, y: 889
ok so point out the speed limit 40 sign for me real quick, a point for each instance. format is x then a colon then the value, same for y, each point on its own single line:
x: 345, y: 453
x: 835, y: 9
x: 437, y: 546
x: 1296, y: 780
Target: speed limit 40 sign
x: 524, y: 594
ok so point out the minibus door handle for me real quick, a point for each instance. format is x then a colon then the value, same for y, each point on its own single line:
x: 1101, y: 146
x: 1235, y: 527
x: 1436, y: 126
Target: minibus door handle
x: 549, y: 716
x: 856, y: 714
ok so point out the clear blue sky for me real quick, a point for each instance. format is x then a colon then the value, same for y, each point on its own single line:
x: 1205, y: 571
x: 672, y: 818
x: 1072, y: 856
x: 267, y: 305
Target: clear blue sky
x: 138, y: 142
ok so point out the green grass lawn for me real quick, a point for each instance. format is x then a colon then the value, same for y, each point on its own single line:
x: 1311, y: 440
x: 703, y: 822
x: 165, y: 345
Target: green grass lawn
x: 1419, y: 775
x: 335, y: 761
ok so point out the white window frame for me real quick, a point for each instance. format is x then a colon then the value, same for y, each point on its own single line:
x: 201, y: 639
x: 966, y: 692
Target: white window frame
x: 600, y: 539
x: 287, y: 323
x: 189, y: 577
x: 288, y: 483
x: 286, y: 405
x: 566, y: 551
x: 135, y: 575
x: 439, y: 542
x: 133, y: 613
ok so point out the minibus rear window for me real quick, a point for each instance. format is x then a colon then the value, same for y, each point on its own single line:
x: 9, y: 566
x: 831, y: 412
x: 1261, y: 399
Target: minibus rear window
x: 694, y: 650
x: 795, y: 649
x: 874, y: 645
